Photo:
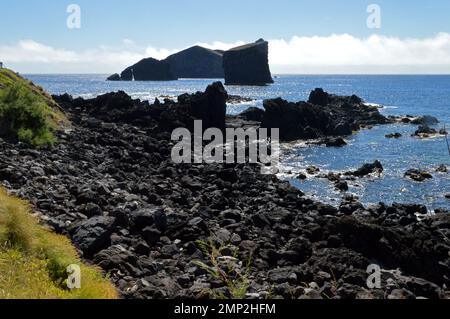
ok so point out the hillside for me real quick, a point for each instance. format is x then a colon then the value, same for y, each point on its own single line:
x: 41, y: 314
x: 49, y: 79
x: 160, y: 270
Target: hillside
x: 33, y: 260
x: 27, y: 113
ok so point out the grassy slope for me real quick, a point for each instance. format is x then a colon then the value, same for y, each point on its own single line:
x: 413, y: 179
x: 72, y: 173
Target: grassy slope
x: 8, y: 77
x: 33, y: 260
x: 27, y: 112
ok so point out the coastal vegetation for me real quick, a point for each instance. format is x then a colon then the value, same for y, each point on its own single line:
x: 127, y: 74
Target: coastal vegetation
x: 27, y: 113
x: 33, y: 260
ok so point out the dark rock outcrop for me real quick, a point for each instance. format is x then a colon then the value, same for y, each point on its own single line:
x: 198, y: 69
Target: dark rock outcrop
x: 328, y: 115
x: 367, y: 169
x: 393, y: 135
x: 424, y: 131
x: 210, y: 106
x: 196, y: 62
x: 148, y: 70
x: 253, y: 114
x: 418, y: 175
x: 248, y: 64
x: 425, y: 120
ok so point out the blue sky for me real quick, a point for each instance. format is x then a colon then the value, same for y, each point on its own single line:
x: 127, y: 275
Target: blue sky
x: 131, y: 27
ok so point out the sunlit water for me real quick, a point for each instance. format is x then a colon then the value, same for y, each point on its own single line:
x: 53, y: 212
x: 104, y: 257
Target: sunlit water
x: 401, y: 95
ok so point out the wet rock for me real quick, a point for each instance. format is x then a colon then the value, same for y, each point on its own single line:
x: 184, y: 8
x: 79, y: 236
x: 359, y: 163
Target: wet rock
x: 339, y: 117
x: 342, y: 186
x: 418, y: 175
x: 442, y: 169
x: 336, y: 142
x: 367, y: 169
x: 312, y: 170
x: 394, y: 135
x: 425, y: 120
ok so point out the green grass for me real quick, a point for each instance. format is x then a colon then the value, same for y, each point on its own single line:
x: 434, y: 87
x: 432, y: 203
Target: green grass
x: 33, y: 260
x: 27, y: 113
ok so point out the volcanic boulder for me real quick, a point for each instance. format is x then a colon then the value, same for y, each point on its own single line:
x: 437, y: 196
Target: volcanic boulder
x: 210, y: 106
x: 296, y: 120
x: 248, y: 64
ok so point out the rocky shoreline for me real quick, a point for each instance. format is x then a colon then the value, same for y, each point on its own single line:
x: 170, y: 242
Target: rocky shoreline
x: 162, y: 230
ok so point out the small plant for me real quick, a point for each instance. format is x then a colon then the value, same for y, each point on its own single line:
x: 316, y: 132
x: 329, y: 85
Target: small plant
x: 227, y: 269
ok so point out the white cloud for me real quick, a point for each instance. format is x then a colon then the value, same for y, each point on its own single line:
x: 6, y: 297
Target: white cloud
x: 217, y: 45
x: 341, y: 53
x: 375, y: 54
x: 159, y: 54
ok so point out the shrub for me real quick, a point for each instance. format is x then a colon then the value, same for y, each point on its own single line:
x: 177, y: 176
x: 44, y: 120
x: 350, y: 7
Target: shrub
x: 33, y: 260
x: 24, y: 116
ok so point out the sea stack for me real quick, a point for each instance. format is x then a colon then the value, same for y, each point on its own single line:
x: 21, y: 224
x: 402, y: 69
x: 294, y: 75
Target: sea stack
x: 248, y: 64
x: 148, y: 70
x: 197, y: 63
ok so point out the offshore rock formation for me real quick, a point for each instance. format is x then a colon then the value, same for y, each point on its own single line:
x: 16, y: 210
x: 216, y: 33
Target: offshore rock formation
x: 148, y: 70
x: 196, y: 62
x: 323, y: 115
x: 114, y: 77
x: 248, y: 64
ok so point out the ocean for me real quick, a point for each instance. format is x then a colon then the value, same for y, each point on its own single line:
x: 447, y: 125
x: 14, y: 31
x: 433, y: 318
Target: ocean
x: 398, y: 94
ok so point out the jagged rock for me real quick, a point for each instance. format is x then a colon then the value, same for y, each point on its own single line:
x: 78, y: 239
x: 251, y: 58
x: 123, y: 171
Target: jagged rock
x: 196, y: 62
x: 248, y: 64
x: 425, y: 120
x: 338, y: 116
x: 367, y: 169
x: 342, y: 186
x: 319, y: 97
x: 312, y: 170
x: 210, y: 106
x: 442, y: 168
x: 148, y: 70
